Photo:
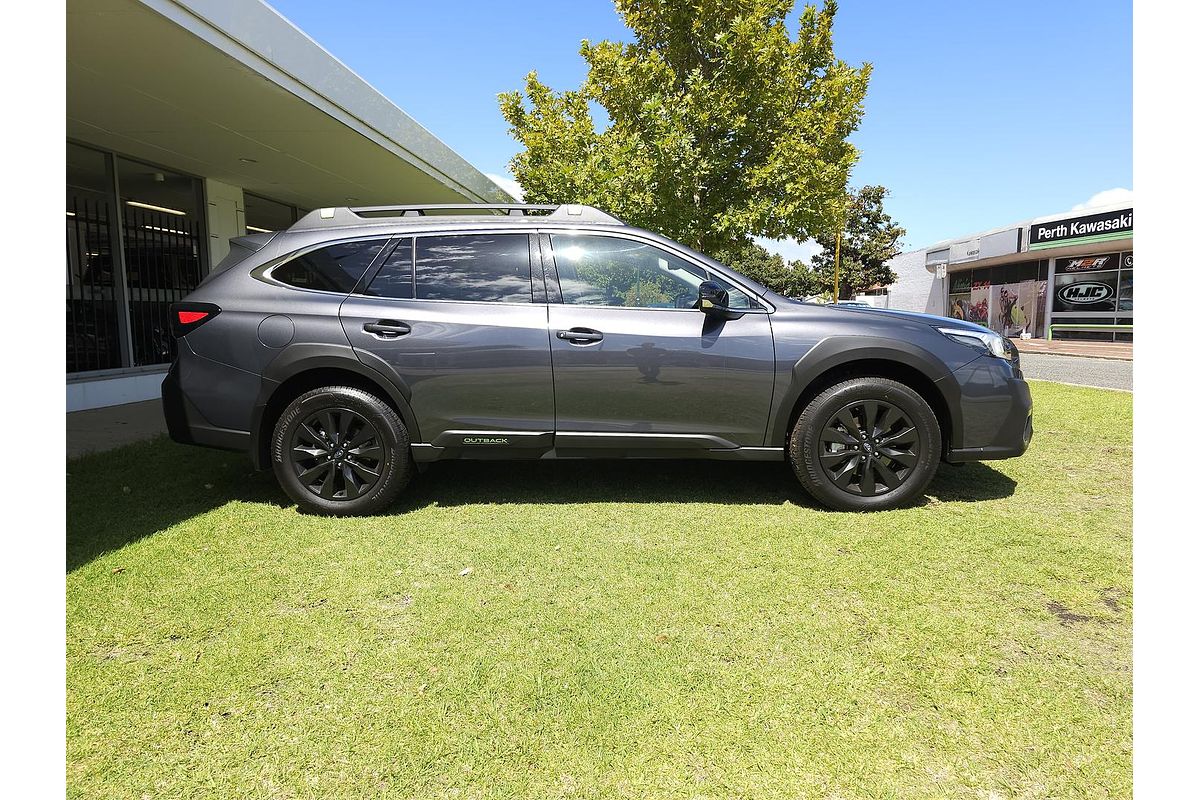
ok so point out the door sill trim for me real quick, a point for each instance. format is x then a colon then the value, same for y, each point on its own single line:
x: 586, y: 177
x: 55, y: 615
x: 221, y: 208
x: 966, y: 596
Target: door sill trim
x: 650, y: 441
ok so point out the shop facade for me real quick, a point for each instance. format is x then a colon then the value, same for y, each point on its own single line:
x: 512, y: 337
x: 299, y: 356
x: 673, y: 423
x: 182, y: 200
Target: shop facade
x: 190, y: 122
x: 1065, y: 276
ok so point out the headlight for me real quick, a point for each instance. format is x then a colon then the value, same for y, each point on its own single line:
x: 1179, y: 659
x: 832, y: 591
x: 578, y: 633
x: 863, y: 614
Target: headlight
x: 992, y: 343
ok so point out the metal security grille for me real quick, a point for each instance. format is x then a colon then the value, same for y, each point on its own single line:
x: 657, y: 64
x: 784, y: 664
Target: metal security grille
x: 93, y: 339
x: 162, y: 264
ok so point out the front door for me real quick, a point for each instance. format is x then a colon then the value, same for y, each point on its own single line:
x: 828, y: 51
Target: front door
x: 453, y: 318
x: 636, y: 366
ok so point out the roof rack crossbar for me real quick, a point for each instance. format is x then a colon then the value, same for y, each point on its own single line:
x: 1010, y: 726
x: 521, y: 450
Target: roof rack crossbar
x: 342, y: 217
x: 419, y: 210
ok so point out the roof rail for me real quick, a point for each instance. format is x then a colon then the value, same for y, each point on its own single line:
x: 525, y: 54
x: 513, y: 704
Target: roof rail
x: 345, y: 217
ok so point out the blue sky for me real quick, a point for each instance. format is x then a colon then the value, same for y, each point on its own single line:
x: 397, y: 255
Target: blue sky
x: 978, y: 114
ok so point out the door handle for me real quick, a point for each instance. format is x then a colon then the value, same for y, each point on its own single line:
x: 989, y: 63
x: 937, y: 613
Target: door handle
x: 580, y: 335
x: 387, y: 328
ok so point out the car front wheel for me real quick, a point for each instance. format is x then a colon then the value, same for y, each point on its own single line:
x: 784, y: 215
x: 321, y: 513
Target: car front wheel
x: 340, y: 450
x: 866, y: 444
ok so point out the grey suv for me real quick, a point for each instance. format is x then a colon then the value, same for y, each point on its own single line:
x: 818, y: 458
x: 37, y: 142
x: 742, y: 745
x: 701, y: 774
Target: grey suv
x: 362, y: 343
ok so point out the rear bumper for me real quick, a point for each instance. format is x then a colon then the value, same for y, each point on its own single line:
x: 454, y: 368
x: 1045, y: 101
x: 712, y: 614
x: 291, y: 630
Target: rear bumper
x: 997, y: 412
x: 186, y: 425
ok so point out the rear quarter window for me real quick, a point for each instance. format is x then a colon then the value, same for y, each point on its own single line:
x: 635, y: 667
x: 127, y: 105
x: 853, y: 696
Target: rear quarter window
x: 333, y: 268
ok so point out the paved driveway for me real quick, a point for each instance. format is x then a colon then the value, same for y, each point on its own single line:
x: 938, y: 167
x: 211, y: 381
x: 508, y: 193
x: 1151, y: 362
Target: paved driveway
x: 1102, y: 373
x: 105, y: 428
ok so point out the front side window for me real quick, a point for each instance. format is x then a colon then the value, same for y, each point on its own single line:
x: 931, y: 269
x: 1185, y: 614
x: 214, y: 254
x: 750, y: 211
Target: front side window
x: 609, y: 271
x: 489, y: 267
x: 334, y: 268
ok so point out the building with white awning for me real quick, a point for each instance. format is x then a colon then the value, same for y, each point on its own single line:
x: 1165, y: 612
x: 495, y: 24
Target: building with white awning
x: 1067, y: 275
x: 193, y: 121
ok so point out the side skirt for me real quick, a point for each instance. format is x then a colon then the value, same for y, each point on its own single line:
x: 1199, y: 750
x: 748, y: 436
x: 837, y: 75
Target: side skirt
x: 424, y: 453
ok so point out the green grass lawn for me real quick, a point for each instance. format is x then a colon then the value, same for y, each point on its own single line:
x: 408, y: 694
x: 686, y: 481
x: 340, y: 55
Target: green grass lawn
x: 584, y: 630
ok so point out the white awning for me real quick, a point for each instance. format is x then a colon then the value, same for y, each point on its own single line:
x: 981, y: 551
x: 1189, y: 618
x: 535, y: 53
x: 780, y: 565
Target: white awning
x: 234, y: 92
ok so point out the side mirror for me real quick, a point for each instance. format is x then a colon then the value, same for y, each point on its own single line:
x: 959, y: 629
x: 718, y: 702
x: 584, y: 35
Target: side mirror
x: 713, y: 299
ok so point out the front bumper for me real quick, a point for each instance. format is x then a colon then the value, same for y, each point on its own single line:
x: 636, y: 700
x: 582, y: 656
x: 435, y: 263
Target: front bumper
x: 997, y: 412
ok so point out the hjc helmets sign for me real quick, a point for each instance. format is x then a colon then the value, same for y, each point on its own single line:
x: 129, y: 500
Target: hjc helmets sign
x: 1085, y: 293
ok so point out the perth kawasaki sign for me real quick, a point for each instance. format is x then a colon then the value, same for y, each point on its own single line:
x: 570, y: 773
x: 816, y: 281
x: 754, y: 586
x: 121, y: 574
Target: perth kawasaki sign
x: 1101, y: 227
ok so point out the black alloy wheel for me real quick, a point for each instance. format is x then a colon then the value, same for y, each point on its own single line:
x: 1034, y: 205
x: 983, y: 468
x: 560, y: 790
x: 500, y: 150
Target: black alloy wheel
x: 337, y: 454
x: 341, y: 450
x: 869, y: 448
x: 865, y: 444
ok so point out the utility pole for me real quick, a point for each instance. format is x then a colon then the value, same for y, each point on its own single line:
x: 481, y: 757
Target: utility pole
x: 837, y: 254
x: 837, y: 263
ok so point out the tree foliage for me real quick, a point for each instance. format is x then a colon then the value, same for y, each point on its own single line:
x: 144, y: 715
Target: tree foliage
x: 870, y: 240
x: 792, y: 279
x: 721, y: 126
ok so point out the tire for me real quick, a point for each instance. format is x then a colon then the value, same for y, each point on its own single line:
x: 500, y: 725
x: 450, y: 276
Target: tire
x: 826, y: 447
x: 361, y: 435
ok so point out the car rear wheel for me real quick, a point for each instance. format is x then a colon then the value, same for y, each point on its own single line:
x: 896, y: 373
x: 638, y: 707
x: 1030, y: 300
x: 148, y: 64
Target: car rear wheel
x: 340, y: 450
x: 866, y: 444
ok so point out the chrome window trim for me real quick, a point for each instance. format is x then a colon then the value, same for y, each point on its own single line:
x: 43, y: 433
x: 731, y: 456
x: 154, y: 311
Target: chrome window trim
x: 455, y: 302
x: 263, y: 271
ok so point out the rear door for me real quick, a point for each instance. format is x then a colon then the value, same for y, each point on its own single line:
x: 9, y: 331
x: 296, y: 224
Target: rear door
x: 636, y: 365
x: 455, y: 319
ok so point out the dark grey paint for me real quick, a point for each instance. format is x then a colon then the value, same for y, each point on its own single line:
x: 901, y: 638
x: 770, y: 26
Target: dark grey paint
x: 473, y: 366
x: 670, y: 371
x: 656, y: 383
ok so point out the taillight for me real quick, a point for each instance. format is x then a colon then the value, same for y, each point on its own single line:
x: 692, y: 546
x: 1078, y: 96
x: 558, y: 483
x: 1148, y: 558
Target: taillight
x: 186, y: 317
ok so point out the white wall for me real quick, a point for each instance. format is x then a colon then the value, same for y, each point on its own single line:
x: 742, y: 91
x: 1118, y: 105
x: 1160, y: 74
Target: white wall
x: 115, y: 391
x: 916, y: 289
x: 226, y: 217
x: 873, y: 300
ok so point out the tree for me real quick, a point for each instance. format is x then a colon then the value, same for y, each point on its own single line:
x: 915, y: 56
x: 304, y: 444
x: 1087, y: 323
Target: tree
x: 720, y: 126
x: 752, y: 260
x: 870, y: 239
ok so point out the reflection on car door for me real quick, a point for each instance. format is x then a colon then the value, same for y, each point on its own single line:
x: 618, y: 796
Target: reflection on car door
x: 635, y: 366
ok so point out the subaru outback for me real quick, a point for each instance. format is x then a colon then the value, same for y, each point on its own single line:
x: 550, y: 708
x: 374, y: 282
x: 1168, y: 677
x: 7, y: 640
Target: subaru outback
x: 361, y: 344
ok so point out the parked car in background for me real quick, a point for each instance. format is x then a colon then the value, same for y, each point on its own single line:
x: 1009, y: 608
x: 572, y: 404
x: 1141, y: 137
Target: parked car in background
x: 363, y: 343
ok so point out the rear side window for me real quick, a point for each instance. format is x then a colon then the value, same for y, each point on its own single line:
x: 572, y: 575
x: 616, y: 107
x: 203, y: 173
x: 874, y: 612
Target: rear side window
x: 474, y: 267
x: 395, y: 277
x: 334, y: 268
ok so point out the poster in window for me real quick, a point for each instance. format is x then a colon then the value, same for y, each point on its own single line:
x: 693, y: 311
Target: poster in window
x: 1125, y: 292
x: 1014, y: 308
x: 1039, y: 306
x: 977, y: 309
x: 959, y: 305
x: 1094, y: 292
